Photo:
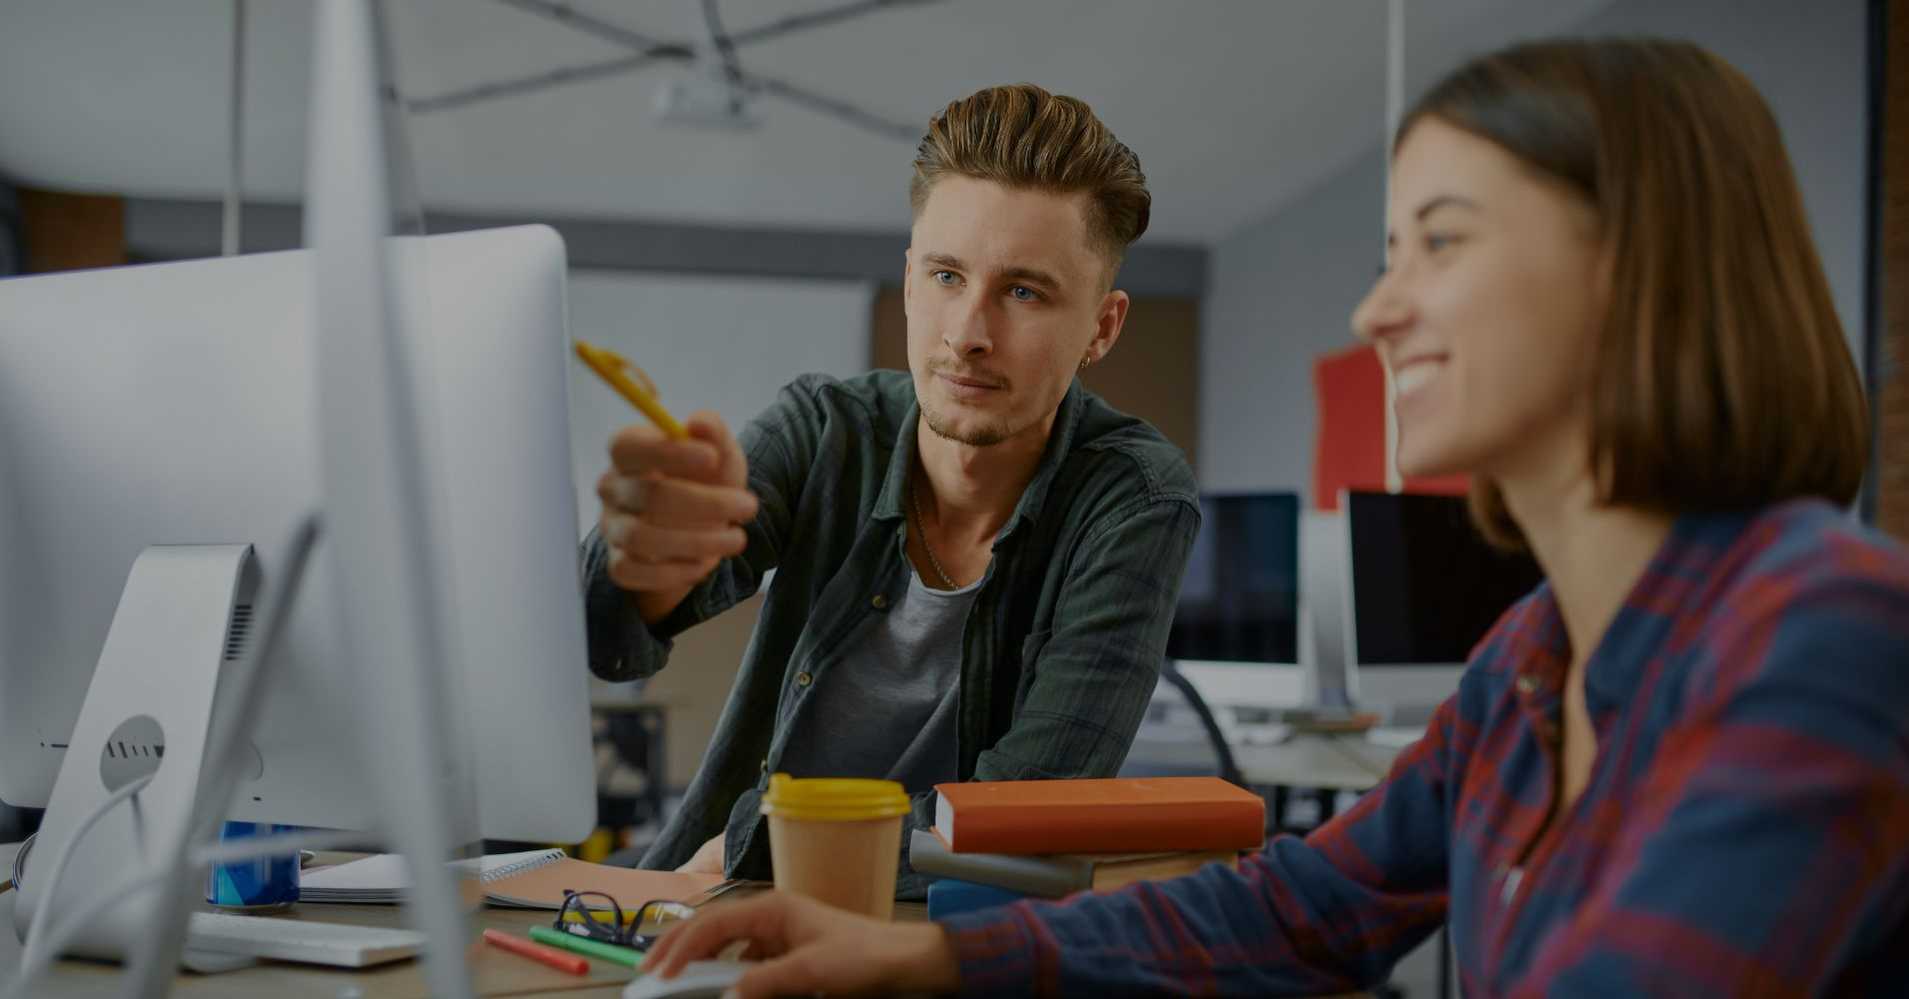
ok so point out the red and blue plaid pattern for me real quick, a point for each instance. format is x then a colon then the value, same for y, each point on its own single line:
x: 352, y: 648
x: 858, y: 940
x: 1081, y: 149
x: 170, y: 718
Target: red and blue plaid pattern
x: 1745, y: 830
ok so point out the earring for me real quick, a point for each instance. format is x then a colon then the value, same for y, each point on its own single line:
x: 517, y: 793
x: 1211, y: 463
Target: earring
x: 1084, y: 362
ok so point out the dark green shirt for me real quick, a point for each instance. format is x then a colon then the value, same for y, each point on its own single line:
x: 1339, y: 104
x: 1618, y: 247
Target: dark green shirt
x: 1062, y: 647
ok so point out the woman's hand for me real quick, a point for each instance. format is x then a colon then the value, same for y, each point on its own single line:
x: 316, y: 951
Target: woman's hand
x: 806, y: 948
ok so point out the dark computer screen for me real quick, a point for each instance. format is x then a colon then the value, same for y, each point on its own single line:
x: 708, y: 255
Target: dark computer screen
x: 1239, y: 601
x: 1425, y: 585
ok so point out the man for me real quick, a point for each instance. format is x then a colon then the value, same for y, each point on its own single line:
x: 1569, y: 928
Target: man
x: 976, y: 562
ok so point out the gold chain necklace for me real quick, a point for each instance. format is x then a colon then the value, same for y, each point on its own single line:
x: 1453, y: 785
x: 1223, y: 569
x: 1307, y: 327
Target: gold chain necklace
x: 915, y: 499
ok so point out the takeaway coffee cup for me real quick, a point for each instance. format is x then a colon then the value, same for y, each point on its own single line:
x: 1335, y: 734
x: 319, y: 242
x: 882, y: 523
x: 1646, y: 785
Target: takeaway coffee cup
x: 836, y: 840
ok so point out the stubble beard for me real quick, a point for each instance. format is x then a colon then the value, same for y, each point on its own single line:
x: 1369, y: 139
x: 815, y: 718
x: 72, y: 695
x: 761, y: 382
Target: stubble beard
x: 983, y: 436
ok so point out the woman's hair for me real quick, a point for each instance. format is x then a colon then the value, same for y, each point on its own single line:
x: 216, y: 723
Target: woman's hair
x: 1721, y: 380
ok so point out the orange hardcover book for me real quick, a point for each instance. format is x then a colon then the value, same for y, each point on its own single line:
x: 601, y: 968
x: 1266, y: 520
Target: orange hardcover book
x: 1119, y: 815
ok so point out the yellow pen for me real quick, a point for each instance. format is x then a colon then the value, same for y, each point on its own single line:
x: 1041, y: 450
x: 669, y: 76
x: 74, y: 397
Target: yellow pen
x: 614, y: 369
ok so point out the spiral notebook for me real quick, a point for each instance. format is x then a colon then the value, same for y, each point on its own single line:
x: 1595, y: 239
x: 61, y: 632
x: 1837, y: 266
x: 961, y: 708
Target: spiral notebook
x: 535, y: 879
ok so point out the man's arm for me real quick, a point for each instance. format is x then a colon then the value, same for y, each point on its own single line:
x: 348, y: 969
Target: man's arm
x: 1095, y: 673
x: 777, y: 449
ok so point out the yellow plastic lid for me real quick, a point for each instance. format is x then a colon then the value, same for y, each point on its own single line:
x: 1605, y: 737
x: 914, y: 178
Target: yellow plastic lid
x: 833, y: 799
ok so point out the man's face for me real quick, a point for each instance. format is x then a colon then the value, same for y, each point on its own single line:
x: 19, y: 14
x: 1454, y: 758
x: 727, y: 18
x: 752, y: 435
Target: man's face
x: 1005, y: 296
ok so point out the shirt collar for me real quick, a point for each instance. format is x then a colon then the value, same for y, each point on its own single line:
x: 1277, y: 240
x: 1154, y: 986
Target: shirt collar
x: 1060, y: 441
x: 1674, y: 582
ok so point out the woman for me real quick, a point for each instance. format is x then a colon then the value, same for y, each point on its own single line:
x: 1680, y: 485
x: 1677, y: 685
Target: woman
x: 1681, y: 765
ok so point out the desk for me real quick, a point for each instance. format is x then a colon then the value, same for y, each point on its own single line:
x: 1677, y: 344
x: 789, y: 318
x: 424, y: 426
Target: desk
x: 1328, y: 762
x: 1304, y: 762
x: 493, y: 972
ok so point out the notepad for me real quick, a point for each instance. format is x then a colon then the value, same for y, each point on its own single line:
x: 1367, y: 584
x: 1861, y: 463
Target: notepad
x: 385, y: 877
x: 535, y: 879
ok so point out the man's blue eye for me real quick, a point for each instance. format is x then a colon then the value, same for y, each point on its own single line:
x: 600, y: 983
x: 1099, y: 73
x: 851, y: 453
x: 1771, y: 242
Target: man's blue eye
x: 945, y: 277
x: 1023, y: 293
x: 1435, y: 242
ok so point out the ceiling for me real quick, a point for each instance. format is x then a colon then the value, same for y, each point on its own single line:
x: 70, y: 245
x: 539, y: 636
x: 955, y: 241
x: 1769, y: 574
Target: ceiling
x: 1235, y: 106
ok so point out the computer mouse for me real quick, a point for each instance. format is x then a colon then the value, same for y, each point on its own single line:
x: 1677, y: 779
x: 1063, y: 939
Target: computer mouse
x: 699, y: 980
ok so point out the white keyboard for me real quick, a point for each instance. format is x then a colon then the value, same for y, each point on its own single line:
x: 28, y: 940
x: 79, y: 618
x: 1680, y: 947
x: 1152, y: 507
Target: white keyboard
x: 302, y: 940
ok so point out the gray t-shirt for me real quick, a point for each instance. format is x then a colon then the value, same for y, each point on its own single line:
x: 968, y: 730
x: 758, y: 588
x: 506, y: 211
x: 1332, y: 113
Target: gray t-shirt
x: 887, y: 708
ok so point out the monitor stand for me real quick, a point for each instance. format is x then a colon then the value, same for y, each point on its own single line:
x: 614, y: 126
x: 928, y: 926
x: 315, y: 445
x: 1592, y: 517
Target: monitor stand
x: 184, y: 614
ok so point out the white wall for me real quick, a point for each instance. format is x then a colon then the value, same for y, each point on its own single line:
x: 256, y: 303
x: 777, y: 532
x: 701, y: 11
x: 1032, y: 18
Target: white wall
x: 718, y: 343
x: 1283, y: 287
x: 1282, y: 293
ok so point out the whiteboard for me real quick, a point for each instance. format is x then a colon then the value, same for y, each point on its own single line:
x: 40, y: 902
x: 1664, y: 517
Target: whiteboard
x: 721, y: 343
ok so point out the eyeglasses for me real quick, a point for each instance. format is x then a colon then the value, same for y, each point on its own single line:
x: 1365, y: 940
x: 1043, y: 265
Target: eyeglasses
x: 597, y: 916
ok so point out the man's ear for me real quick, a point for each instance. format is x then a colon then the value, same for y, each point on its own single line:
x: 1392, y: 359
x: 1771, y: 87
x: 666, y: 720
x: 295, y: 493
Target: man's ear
x: 1108, y: 323
x: 907, y: 272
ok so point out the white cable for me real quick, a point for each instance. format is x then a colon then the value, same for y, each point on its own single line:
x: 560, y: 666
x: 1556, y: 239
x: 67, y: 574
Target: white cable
x: 407, y: 203
x: 42, y: 915
x: 235, y: 137
x: 20, y: 859
x: 1394, y: 108
x: 35, y: 963
x: 1394, y: 84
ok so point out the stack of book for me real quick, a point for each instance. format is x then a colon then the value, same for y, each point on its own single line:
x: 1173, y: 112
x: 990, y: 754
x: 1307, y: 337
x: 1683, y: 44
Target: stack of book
x: 998, y: 841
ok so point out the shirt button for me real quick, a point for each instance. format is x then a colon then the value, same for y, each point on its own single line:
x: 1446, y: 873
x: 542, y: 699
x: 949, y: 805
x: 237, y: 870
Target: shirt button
x: 1527, y: 684
x: 879, y: 602
x: 803, y: 679
x: 765, y: 764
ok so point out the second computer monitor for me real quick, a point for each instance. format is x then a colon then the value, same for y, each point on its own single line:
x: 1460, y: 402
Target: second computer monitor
x: 1239, y: 601
x: 1423, y: 586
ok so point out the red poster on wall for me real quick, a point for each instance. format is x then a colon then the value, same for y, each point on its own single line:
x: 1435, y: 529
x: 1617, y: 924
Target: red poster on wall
x: 1349, y: 390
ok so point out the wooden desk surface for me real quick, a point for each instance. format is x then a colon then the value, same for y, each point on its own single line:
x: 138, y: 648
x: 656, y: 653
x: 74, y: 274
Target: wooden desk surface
x: 494, y: 972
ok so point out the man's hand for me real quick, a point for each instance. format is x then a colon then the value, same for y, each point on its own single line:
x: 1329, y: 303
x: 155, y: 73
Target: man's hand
x: 671, y: 509
x: 808, y: 948
x: 708, y: 858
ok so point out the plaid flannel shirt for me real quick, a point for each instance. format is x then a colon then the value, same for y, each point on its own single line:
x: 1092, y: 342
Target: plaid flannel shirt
x: 1745, y: 830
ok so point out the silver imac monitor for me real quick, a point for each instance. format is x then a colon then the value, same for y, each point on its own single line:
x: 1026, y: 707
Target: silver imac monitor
x: 174, y: 404
x: 1236, y: 629
x: 1422, y: 588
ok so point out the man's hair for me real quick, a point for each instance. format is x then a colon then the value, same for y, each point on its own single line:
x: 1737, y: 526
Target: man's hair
x: 1021, y: 136
x: 1721, y: 379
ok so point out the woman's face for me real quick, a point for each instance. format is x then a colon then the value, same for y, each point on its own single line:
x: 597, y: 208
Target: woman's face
x: 1488, y: 310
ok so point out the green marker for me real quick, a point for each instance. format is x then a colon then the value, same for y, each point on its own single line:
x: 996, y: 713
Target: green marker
x: 625, y: 956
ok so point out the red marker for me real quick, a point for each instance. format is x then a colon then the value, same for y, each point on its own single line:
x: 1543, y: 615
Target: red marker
x: 538, y: 952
